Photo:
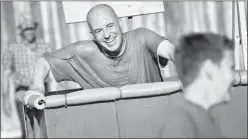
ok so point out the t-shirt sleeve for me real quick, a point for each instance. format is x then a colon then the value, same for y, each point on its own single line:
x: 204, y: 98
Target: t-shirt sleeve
x: 177, y: 125
x: 59, y: 62
x: 60, y: 68
x: 152, y: 40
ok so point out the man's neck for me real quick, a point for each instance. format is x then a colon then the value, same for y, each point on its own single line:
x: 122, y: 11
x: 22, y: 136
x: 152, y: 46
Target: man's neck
x: 31, y: 45
x: 118, y: 53
x: 195, y: 94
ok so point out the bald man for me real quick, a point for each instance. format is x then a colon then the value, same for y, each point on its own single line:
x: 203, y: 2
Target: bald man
x: 113, y: 58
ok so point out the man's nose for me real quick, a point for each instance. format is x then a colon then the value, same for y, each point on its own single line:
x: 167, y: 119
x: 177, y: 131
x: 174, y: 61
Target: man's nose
x: 106, y: 34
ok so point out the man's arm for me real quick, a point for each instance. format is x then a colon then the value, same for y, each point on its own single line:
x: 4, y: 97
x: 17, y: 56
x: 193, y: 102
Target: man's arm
x: 7, y: 64
x: 6, y: 75
x: 166, y: 50
x: 41, y: 72
x: 158, y: 45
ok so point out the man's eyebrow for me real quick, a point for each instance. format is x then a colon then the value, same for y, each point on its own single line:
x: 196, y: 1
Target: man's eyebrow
x: 110, y: 24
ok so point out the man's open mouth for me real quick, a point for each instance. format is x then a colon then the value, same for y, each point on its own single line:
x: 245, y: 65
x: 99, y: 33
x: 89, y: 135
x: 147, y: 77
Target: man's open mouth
x: 111, y: 40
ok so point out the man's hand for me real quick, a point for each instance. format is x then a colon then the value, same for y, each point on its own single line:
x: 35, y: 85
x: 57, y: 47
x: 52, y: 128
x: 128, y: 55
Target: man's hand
x: 42, y: 73
x: 166, y: 50
x: 37, y: 92
x: 33, y: 97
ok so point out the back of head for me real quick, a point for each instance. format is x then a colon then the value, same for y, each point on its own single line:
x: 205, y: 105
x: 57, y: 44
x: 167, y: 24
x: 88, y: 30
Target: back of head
x: 194, y: 49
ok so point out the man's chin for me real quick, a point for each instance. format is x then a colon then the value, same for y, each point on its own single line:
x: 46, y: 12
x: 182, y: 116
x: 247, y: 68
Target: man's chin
x: 224, y: 102
x: 112, y: 48
x: 31, y: 40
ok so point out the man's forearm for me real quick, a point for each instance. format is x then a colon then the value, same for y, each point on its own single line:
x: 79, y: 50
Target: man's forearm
x: 6, y: 75
x: 41, y: 71
x: 39, y: 86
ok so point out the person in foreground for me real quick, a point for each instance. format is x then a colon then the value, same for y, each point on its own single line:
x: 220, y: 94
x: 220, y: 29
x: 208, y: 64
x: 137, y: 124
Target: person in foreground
x: 205, y: 66
x: 113, y: 58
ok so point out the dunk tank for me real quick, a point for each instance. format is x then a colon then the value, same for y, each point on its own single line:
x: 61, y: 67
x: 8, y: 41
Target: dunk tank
x: 136, y: 110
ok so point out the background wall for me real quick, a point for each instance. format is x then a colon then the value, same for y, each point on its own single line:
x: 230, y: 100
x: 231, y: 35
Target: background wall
x: 179, y: 18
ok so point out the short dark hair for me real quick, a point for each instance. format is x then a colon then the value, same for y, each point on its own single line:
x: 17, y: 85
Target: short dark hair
x: 194, y: 49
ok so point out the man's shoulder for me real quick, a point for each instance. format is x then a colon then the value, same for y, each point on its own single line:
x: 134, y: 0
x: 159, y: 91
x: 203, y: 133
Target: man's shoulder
x: 140, y: 30
x: 86, y: 48
x: 14, y: 46
x: 18, y: 43
x: 178, y: 112
x: 79, y: 47
x: 137, y: 33
x: 178, y: 104
x: 42, y: 44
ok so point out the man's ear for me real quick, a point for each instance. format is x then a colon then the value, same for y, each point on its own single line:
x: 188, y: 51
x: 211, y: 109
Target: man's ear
x: 91, y: 31
x: 121, y: 24
x: 208, y: 69
x: 92, y: 34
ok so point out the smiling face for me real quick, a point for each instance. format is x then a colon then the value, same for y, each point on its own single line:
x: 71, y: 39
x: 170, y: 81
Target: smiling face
x: 29, y: 35
x: 105, y: 27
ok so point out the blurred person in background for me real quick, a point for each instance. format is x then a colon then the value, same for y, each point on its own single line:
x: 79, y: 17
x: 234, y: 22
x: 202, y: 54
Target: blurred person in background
x: 18, y: 62
x: 205, y: 66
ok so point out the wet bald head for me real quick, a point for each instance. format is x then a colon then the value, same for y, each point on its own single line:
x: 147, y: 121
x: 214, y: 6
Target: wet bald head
x: 106, y: 28
x: 99, y: 12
